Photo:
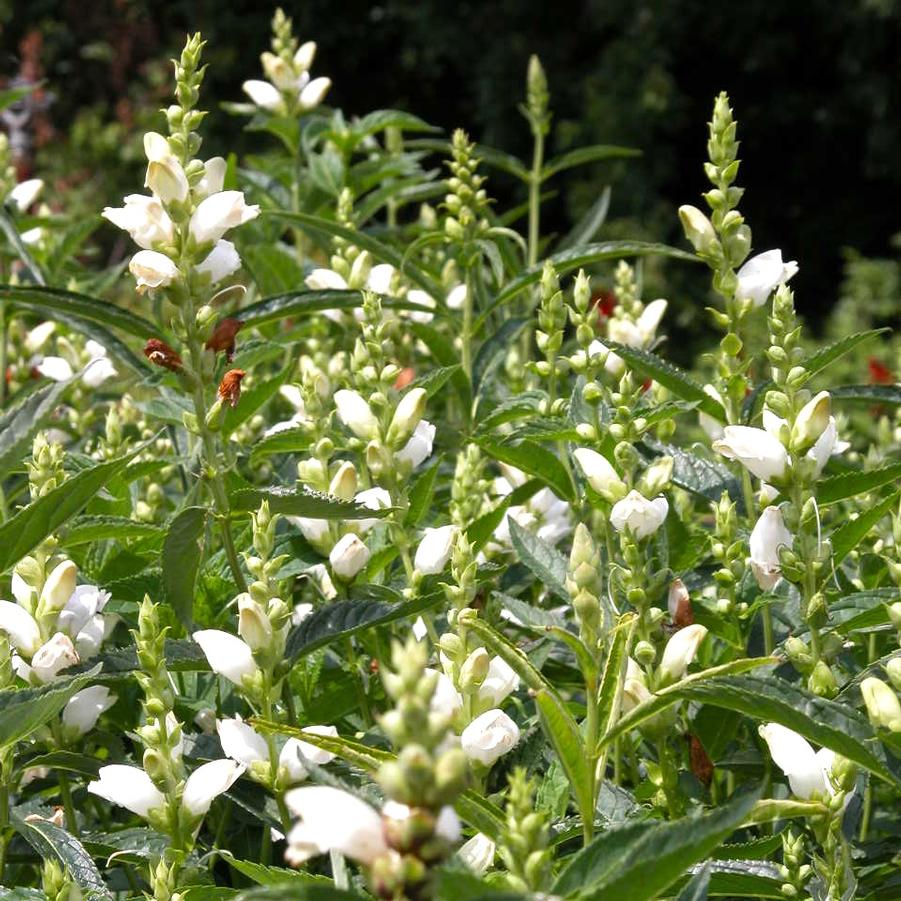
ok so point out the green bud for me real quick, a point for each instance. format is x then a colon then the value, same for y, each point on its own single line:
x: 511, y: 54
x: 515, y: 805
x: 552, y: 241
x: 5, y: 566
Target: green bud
x: 822, y: 681
x: 883, y: 706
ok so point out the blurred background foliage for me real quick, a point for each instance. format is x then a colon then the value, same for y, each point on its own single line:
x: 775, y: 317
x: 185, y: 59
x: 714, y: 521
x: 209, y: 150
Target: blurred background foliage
x: 816, y: 86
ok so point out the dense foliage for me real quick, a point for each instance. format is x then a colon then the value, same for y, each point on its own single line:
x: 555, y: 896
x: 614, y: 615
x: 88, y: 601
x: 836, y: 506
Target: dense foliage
x: 360, y: 539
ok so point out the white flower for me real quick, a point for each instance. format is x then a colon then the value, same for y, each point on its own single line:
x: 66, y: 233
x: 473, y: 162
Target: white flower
x: 756, y: 449
x: 600, y: 473
x: 98, y: 370
x: 761, y: 274
x: 207, y: 782
x: 296, y: 753
x: 447, y: 823
x: 446, y: 700
x: 435, y: 549
x: 24, y: 194
x: 712, y: 427
x: 152, y: 270
x: 419, y: 447
x: 348, y: 557
x: 219, y: 212
x: 316, y: 531
x: 478, y: 853
x: 59, y: 587
x: 129, y: 787
x: 823, y: 448
x: 84, y: 605
x: 883, y: 706
x: 767, y: 537
x: 501, y: 681
x: 144, y: 219
x: 812, y: 420
x: 380, y: 278
x: 333, y: 819
x: 303, y: 57
x: 489, y: 737
x: 265, y: 95
x: 314, y: 93
x: 698, y: 228
x: 55, y: 368
x: 241, y: 742
x: 221, y: 261
x: 227, y: 655
x: 680, y: 650
x: 20, y: 627
x: 213, y: 177
x: 165, y: 176
x: 33, y: 237
x: 254, y: 626
x: 807, y: 771
x: 83, y: 709
x: 52, y: 657
x: 423, y: 299
x: 39, y: 335
x: 456, y: 297
x: 638, y: 515
x: 325, y: 280
x: 649, y: 320
x: 373, y: 499
x: 355, y: 413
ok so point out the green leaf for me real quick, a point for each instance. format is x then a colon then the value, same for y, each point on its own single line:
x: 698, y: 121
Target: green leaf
x: 563, y: 733
x: 54, y: 842
x: 31, y: 525
x: 8, y: 227
x: 26, y: 709
x: 182, y: 552
x: 546, y: 563
x: 444, y: 352
x: 610, y: 690
x: 590, y: 223
x: 820, y: 359
x: 493, y: 351
x: 20, y: 423
x: 847, y: 484
x: 287, y: 441
x: 537, y: 461
x: 671, y: 377
x: 327, y: 171
x: 379, y: 120
x: 294, y: 892
x: 435, y: 379
x: 868, y: 394
x: 848, y: 535
x: 421, y: 494
x: 254, y: 400
x: 302, y: 502
x: 706, y: 478
x: 263, y: 875
x: 582, y: 155
x: 638, y: 861
x: 696, y: 887
x: 87, y: 529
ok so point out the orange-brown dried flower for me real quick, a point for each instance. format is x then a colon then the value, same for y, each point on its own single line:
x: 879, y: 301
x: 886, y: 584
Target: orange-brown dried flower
x: 223, y: 337
x: 230, y: 386
x: 160, y: 354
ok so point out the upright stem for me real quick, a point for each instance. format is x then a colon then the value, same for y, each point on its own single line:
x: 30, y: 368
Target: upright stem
x: 535, y: 195
x: 3, y: 352
x: 467, y: 327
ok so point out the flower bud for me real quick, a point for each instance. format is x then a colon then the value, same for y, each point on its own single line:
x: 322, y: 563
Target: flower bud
x: 811, y: 421
x: 406, y: 417
x: 254, y: 626
x: 59, y: 587
x: 679, y: 652
x: 821, y: 681
x: 798, y: 653
x: 344, y: 482
x: 435, y: 549
x: 474, y: 670
x: 356, y: 414
x: 600, y: 474
x: 698, y: 229
x: 893, y: 670
x: 883, y: 706
x: 348, y: 557
x: 657, y: 476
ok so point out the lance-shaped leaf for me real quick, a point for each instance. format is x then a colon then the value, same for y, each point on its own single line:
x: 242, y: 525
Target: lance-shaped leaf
x: 182, y: 552
x: 303, y: 502
x: 546, y: 563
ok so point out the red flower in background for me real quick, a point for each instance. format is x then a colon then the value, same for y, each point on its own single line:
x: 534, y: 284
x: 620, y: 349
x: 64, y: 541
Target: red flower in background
x: 880, y: 374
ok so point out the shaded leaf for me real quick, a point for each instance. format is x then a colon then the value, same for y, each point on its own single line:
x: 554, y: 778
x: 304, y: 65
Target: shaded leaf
x: 182, y: 552
x: 302, y: 502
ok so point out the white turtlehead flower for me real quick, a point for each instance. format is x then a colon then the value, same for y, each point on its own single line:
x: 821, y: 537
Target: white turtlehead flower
x: 59, y: 586
x: 304, y: 56
x: 165, y: 176
x: 313, y: 93
x: 762, y: 454
x: 500, y: 682
x: 355, y: 413
x: 812, y: 419
x: 680, y: 651
x: 55, y: 368
x: 712, y: 427
x: 241, y: 742
x: 435, y: 549
x: 39, y: 335
x: 227, y: 655
x: 25, y: 193
x: 636, y: 514
x: 83, y: 709
x: 489, y: 737
x: 422, y: 299
x: 296, y: 753
x: 152, y: 270
x: 265, y: 95
x: 254, y: 626
x: 332, y: 819
x: 20, y: 627
x: 82, y: 621
x: 478, y: 853
x: 823, y: 448
x: 808, y: 771
x: 761, y: 275
x: 599, y: 473
x: 144, y: 219
x: 99, y: 367
x: 348, y: 557
x: 218, y: 213
x: 446, y: 700
x: 767, y: 537
x: 419, y: 447
x: 207, y: 782
x: 373, y: 499
x: 456, y: 297
x: 380, y: 278
x: 221, y: 261
x: 52, y: 657
x: 883, y: 706
x: 325, y: 280
x: 213, y: 178
x: 129, y: 787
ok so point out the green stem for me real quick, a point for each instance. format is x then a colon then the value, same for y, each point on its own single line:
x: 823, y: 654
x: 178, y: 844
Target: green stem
x: 467, y: 329
x: 3, y: 354
x: 535, y: 196
x: 4, y: 823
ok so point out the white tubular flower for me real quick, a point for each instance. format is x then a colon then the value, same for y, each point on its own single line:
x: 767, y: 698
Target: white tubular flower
x: 435, y: 550
x: 213, y: 178
x: 316, y: 531
x: 812, y: 420
x: 407, y: 415
x: 446, y: 700
x: 761, y: 275
x: 240, y: 742
x: 129, y: 787
x: 39, y: 335
x: 296, y: 753
x: 207, y: 782
x: 166, y: 178
x: 419, y: 447
x: 24, y: 194
x: 423, y: 299
x: 152, y: 270
x: 478, y: 853
x: 698, y: 228
x: 380, y: 278
x: 314, y: 93
x: 265, y: 95
x: 372, y: 499
x: 254, y: 626
x: 489, y: 737
x: 144, y: 219
x: 807, y: 771
x: 331, y: 819
x: 636, y: 514
x: 649, y: 321
x: 883, y: 706
x: 55, y: 368
x: 227, y: 655
x: 767, y: 537
x: 500, y: 682
x: 219, y: 212
x: 85, y: 603
x: 20, y: 627
x: 304, y: 56
x: 355, y: 413
x: 712, y: 427
x: 83, y: 709
x: 59, y: 587
x: 757, y: 450
x: 325, y: 280
x: 348, y: 557
x: 221, y: 262
x: 99, y: 368
x: 600, y: 474
x: 680, y: 651
x: 52, y: 657
x: 456, y: 297
x: 279, y: 72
